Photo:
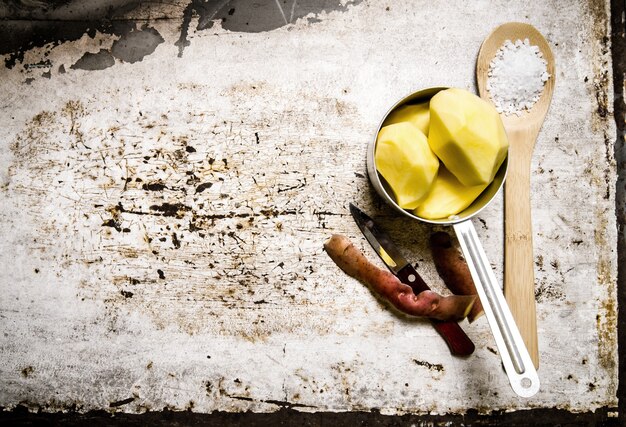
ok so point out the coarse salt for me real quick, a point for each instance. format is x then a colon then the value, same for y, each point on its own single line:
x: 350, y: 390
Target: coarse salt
x: 516, y: 77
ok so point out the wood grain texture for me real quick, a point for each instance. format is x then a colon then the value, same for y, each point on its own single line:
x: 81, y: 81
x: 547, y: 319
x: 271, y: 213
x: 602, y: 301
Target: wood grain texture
x: 522, y: 131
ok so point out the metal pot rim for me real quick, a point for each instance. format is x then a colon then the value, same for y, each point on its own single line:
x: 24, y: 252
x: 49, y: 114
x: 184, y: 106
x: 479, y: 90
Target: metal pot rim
x: 385, y: 192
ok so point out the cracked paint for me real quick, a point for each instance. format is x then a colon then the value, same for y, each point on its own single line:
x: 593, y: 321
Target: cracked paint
x: 133, y: 44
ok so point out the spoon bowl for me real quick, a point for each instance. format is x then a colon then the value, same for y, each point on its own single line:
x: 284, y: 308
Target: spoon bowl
x: 516, y: 31
x: 522, y: 131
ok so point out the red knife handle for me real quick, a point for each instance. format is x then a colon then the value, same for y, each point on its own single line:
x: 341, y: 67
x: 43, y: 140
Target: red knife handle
x: 458, y: 341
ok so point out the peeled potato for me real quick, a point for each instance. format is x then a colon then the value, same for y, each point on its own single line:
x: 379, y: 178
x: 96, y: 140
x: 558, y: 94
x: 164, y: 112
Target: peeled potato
x: 418, y: 114
x: 407, y: 163
x: 467, y: 135
x: 447, y: 197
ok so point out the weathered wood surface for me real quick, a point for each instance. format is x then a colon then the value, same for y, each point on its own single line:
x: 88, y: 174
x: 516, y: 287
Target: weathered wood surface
x: 163, y: 219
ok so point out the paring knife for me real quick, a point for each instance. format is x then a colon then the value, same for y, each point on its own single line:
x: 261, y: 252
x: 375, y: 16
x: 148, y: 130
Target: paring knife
x: 458, y: 342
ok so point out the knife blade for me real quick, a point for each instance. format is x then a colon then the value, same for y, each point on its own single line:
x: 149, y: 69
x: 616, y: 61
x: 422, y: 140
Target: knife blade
x: 456, y: 339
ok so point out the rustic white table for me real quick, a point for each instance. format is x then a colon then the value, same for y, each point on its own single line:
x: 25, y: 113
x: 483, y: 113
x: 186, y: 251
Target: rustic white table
x: 168, y: 178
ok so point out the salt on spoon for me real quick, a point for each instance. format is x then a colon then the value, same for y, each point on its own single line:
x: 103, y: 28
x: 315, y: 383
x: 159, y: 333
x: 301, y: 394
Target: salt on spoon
x: 516, y: 77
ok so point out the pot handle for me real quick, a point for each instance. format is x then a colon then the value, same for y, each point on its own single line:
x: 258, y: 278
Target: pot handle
x: 515, y: 358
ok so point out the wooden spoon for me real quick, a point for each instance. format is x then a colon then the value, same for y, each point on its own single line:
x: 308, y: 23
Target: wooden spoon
x: 522, y: 131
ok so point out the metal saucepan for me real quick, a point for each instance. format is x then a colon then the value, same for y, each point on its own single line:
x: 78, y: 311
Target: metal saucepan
x: 515, y: 358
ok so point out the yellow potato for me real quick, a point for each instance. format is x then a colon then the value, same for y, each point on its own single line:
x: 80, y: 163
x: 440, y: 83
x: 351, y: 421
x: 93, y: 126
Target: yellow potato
x: 447, y: 197
x: 467, y: 135
x: 407, y: 163
x: 418, y: 114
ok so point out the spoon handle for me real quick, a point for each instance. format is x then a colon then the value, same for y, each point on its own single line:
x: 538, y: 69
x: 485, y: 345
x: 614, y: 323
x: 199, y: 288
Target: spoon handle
x: 515, y: 358
x: 519, y: 280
